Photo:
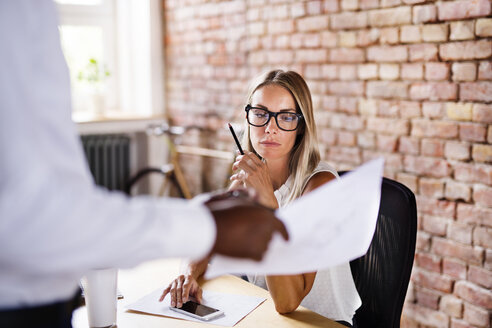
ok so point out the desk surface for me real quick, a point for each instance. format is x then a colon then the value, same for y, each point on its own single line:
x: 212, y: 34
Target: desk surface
x: 144, y: 279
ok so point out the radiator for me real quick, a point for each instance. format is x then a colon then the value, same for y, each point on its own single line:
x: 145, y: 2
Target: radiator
x: 109, y: 159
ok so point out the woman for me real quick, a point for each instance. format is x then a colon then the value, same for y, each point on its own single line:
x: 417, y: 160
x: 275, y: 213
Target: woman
x: 281, y: 162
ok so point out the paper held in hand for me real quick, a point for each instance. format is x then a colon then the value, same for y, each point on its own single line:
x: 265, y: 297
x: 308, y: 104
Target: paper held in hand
x: 331, y: 225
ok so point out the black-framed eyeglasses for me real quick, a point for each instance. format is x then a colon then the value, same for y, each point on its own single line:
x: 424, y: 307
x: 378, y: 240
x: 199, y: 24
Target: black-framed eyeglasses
x: 287, y: 121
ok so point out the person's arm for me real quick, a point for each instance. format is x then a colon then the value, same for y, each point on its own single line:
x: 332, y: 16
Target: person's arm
x: 186, y: 285
x: 288, y: 291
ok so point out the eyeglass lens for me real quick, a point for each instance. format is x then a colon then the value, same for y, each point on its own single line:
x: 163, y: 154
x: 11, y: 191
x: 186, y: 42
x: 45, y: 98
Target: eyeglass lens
x: 285, y: 121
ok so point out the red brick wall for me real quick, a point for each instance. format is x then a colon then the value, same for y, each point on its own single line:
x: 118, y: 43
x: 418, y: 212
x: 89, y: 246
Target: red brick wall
x: 409, y: 80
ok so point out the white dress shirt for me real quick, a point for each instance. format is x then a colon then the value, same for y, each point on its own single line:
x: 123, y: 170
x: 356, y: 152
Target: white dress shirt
x: 55, y: 224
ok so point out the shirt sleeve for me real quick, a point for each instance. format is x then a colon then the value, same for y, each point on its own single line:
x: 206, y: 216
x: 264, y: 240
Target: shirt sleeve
x: 52, y: 216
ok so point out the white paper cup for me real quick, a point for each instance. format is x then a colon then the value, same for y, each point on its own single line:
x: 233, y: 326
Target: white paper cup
x: 100, y: 292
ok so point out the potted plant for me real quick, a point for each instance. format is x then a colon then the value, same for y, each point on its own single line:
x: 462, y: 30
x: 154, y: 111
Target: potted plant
x: 94, y: 76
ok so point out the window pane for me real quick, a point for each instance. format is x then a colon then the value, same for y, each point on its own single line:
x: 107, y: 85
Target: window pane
x: 84, y: 52
x: 80, y: 2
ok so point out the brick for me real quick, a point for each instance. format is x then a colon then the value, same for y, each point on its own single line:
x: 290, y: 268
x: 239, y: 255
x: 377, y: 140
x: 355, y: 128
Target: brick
x: 297, y: 9
x: 368, y: 4
x: 366, y: 140
x: 423, y: 241
x: 469, y: 254
x: 368, y: 107
x: 433, y: 224
x: 328, y: 39
x: 488, y: 260
x: 458, y: 323
x: 482, y: 237
x: 464, y: 71
x: 409, y: 145
x: 328, y: 136
x: 432, y: 280
x: 435, y: 33
x: 459, y: 111
x: 483, y: 27
x: 428, y: 261
x: 355, y: 88
x: 473, y: 294
x: 482, y: 113
x: 385, y: 125
x: 460, y: 232
x: 472, y: 132
x: 387, y: 54
x: 367, y: 37
x: 347, y: 39
x: 462, y: 9
x: 438, y: 129
x: 350, y: 4
x: 390, y: 17
x: 311, y: 40
x: 489, y: 134
x: 390, y: 3
x: 451, y: 305
x: 433, y: 109
x: 426, y: 316
x: 482, y: 195
x: 473, y: 173
x: 281, y: 26
x: 312, y: 23
x: 462, y: 30
x: 482, y: 153
x: 410, y: 34
x: 424, y: 14
x: 408, y: 180
x: 329, y: 103
x: 476, y: 316
x: 314, y: 7
x: 468, y: 213
x: 384, y: 89
x: 389, y: 71
x: 388, y: 109
x: 330, y: 6
x: 348, y: 105
x: 485, y: 70
x: 345, y: 155
x: 476, y: 91
x: 410, y: 109
x: 457, y: 150
x: 389, y: 35
x: 434, y: 91
x: 347, y: 72
x: 465, y: 50
x: 412, y: 71
x: 311, y: 56
x: 436, y: 71
x: 348, y: 122
x: 432, y: 148
x: 480, y: 276
x: 367, y: 71
x: 432, y: 167
x: 427, y: 298
x: 347, y: 55
x: 454, y: 268
x: 423, y: 52
x: 329, y: 72
x: 348, y: 20
x: 346, y: 138
x: 279, y: 56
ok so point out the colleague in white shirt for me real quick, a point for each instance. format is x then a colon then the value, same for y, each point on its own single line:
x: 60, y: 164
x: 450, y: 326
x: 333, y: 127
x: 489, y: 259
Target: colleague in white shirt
x: 55, y: 224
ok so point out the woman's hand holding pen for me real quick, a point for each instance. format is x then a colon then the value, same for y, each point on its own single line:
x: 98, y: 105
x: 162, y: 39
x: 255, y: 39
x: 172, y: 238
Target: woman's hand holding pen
x: 251, y: 172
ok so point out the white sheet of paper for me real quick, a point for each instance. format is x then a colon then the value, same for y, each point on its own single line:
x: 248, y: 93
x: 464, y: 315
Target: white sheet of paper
x: 331, y: 225
x: 235, y: 307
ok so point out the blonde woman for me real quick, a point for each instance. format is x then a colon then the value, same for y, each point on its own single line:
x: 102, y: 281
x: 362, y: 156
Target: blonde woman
x: 281, y: 162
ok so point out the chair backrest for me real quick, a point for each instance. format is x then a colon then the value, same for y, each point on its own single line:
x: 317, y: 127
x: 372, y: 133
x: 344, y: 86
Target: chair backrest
x: 383, y: 273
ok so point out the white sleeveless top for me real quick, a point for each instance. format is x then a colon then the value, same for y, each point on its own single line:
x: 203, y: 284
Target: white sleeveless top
x: 333, y: 294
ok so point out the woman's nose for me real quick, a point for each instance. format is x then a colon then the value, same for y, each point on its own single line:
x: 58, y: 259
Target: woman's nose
x: 272, y: 126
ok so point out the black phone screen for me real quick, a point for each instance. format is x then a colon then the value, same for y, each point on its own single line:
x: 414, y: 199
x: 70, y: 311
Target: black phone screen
x: 198, y: 309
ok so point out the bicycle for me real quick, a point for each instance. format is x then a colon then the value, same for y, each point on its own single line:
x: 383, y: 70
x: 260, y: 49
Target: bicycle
x: 172, y: 173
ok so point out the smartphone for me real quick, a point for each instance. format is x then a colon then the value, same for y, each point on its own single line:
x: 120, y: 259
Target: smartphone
x: 198, y: 311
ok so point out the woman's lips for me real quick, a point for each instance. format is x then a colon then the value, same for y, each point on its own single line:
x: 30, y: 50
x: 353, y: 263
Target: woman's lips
x: 269, y: 144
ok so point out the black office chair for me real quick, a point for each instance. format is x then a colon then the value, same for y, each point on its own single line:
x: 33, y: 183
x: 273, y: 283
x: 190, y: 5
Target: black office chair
x: 383, y: 273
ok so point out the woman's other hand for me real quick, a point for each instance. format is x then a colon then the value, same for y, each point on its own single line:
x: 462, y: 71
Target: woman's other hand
x: 181, y: 289
x: 251, y: 172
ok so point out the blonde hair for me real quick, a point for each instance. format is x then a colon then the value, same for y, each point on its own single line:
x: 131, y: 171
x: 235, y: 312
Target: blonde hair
x: 304, y: 156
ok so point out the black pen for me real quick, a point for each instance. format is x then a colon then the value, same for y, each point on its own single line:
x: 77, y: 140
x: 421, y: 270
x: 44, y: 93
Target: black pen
x: 235, y: 139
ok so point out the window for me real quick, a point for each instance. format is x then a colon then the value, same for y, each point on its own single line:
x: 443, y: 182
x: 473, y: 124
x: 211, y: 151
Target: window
x: 110, y: 47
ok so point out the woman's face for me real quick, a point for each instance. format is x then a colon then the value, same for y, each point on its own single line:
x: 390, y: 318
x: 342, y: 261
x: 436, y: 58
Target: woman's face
x: 270, y: 142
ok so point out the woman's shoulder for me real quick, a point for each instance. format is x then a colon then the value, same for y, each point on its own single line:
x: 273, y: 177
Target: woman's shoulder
x: 316, y: 179
x: 324, y: 167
